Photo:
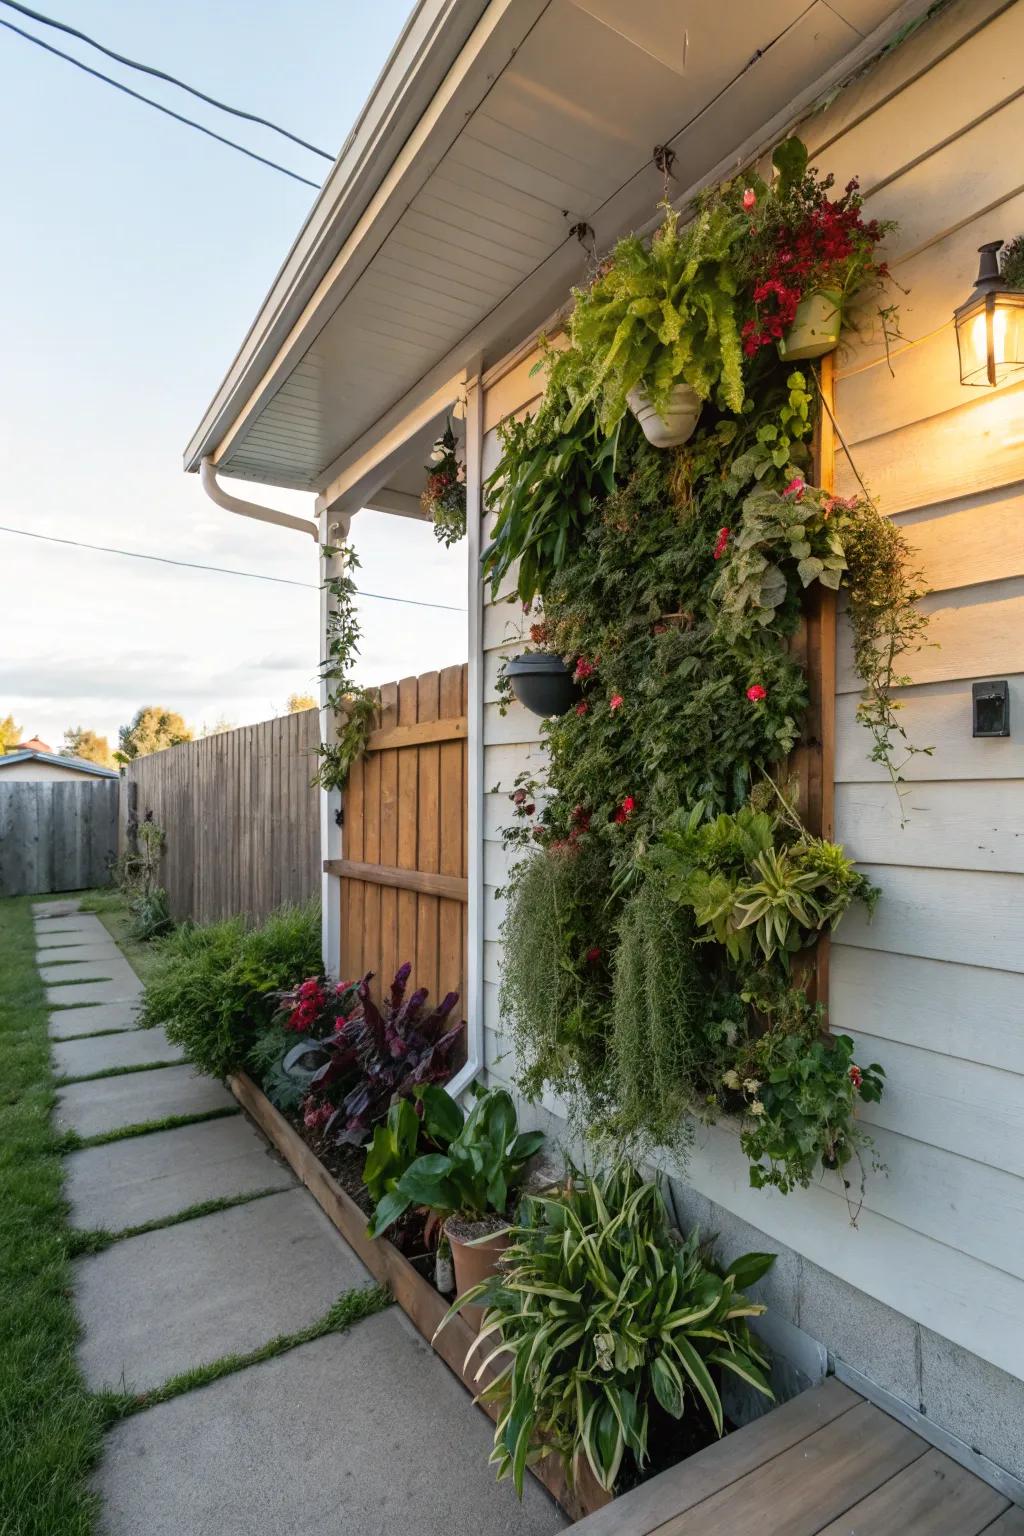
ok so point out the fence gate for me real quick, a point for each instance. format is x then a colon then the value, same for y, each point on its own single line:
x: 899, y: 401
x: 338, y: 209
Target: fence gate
x: 56, y: 836
x: 404, y: 883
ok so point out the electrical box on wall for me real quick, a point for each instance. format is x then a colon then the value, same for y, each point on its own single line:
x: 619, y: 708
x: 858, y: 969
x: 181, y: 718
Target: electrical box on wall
x: 991, y: 708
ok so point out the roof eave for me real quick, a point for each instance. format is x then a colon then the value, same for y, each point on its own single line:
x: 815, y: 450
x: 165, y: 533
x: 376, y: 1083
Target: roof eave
x: 429, y: 43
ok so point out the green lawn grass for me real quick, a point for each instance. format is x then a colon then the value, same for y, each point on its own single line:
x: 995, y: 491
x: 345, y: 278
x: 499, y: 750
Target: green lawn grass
x: 50, y: 1426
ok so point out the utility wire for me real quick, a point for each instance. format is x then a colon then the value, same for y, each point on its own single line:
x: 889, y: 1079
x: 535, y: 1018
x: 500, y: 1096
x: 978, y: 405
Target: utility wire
x: 223, y: 570
x: 159, y: 74
x: 188, y: 121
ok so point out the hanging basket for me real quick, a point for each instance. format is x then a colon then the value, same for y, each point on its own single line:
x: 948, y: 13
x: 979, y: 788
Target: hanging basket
x: 542, y: 683
x: 816, y: 326
x: 679, y: 421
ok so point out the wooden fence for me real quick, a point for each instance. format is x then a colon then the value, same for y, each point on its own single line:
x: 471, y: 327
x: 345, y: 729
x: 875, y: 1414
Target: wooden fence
x: 57, y: 836
x: 241, y: 816
x: 404, y: 871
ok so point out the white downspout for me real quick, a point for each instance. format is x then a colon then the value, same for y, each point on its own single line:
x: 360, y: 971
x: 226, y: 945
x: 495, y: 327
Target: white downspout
x: 208, y: 480
x: 474, y: 999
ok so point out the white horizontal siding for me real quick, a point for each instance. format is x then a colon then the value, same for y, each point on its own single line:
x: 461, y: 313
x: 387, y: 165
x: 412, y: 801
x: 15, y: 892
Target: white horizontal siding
x: 933, y: 987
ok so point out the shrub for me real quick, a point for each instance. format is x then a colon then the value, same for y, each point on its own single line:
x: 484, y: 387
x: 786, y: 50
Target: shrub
x: 215, y: 983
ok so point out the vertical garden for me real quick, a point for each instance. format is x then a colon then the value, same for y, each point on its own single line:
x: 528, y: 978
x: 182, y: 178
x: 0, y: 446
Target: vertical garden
x: 658, y: 518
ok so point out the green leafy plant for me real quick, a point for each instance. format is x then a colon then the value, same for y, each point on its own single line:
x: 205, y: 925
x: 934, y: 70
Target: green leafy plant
x: 483, y: 1160
x: 785, y: 541
x: 214, y: 986
x: 757, y: 883
x: 600, y: 1316
x: 661, y: 313
x: 799, y: 1099
x: 553, y: 467
x: 1011, y: 262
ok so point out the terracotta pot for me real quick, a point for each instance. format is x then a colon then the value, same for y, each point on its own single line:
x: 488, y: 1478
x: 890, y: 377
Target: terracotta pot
x: 679, y: 421
x: 475, y: 1262
x: 816, y: 326
x: 542, y: 683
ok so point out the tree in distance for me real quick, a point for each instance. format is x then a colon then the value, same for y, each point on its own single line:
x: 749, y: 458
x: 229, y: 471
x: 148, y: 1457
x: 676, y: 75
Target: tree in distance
x: 88, y: 745
x: 151, y: 730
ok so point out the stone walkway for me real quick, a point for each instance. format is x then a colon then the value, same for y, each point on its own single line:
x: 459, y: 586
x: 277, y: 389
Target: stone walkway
x: 365, y: 1433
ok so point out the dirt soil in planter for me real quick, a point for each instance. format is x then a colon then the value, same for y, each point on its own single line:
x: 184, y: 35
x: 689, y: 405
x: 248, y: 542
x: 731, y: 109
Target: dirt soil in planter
x: 669, y: 1441
x: 345, y: 1163
x: 465, y: 1231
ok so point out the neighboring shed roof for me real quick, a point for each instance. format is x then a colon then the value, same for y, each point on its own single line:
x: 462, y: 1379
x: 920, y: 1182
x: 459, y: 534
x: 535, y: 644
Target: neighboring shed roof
x: 22, y: 755
x: 33, y: 745
x: 446, y: 229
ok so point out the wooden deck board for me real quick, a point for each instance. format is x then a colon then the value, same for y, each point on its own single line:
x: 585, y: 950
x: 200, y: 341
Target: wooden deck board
x: 799, y: 1492
x: 828, y: 1463
x: 934, y: 1496
x: 685, y: 1485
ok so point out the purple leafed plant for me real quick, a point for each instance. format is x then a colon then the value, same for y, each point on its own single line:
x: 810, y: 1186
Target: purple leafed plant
x: 379, y: 1055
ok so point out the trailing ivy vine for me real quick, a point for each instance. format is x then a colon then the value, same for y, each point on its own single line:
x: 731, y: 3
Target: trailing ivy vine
x: 352, y: 705
x: 662, y: 917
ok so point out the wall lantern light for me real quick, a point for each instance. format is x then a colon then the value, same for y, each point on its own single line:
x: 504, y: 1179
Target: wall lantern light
x: 990, y: 325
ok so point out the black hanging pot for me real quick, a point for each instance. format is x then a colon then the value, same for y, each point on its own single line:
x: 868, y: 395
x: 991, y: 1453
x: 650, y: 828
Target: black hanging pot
x: 542, y: 682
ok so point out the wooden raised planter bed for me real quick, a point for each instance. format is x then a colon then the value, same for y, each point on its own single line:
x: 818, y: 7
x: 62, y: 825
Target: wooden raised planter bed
x: 421, y: 1303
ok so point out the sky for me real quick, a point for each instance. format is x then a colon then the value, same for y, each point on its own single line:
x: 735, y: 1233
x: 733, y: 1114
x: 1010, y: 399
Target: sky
x: 134, y: 254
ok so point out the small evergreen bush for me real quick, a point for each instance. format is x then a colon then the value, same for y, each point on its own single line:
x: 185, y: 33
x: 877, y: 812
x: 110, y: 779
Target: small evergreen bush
x: 214, y: 984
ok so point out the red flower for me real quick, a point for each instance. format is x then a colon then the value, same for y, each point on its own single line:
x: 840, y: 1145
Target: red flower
x: 856, y: 1076
x: 625, y: 810
x: 580, y: 819
x: 528, y: 810
x: 582, y: 707
x: 795, y: 488
x: 518, y: 797
x: 756, y: 693
x: 749, y: 199
x: 616, y: 701
x: 593, y: 954
x: 723, y: 539
x: 584, y: 669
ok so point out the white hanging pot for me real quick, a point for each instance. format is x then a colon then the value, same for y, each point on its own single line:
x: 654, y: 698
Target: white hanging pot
x: 678, y: 423
x: 816, y: 326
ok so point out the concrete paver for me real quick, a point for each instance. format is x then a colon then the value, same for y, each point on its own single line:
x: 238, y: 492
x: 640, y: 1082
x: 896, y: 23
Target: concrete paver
x: 67, y: 930
x: 124, y: 1183
x: 55, y: 908
x: 66, y: 1023
x: 183, y: 1296
x: 57, y: 954
x: 109, y: 967
x: 122, y: 990
x: 135, y: 1048
x: 91, y: 1109
x: 360, y: 1434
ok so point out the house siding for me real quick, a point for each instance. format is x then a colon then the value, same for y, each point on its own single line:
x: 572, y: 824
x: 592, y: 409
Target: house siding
x: 925, y: 1294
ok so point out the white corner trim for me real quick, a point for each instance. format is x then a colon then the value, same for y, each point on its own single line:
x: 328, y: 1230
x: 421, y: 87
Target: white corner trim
x: 474, y: 999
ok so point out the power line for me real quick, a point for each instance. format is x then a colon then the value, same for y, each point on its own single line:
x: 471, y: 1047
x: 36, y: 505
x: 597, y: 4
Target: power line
x: 222, y: 570
x: 160, y: 74
x: 137, y: 95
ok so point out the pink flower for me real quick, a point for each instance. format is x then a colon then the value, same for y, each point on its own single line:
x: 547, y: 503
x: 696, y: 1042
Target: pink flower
x: 856, y: 1076
x: 795, y: 487
x: 584, y: 669
x: 749, y: 199
x: 582, y: 707
x: 616, y: 701
x: 593, y: 954
x: 625, y: 810
x: 756, y: 693
x: 723, y: 539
